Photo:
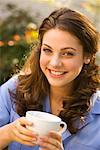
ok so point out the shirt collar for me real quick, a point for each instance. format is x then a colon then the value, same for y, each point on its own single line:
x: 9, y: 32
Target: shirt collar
x: 96, y: 103
x: 46, y: 106
x: 87, y: 119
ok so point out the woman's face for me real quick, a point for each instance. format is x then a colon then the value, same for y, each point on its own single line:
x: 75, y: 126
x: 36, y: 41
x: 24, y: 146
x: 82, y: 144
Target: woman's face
x: 61, y: 58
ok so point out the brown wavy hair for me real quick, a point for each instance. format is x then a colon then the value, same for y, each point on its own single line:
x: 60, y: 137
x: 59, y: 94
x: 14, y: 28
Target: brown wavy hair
x: 33, y: 86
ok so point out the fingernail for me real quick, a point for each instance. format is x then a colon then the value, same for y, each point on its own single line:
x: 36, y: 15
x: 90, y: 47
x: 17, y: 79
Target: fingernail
x: 43, y: 138
x: 31, y: 123
x: 34, y: 139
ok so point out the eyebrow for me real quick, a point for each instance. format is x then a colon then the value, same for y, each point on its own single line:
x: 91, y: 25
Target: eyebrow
x: 61, y: 48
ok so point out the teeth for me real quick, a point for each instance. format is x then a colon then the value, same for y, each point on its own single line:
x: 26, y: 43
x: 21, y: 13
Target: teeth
x: 57, y: 73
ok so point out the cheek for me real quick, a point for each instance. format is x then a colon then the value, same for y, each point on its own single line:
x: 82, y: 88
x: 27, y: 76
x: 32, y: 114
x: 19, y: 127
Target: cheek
x: 43, y: 61
x: 75, y: 65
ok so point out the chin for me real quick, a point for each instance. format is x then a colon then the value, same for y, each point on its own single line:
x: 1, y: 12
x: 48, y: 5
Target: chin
x: 56, y: 84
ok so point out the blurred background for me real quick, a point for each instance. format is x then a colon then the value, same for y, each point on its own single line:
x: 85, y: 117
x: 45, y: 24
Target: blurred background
x: 19, y: 23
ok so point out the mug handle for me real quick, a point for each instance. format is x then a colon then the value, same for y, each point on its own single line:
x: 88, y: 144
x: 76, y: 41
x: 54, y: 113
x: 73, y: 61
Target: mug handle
x: 63, y: 128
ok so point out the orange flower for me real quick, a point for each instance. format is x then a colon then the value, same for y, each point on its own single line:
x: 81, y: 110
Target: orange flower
x: 16, y: 37
x: 10, y: 43
x: 1, y: 43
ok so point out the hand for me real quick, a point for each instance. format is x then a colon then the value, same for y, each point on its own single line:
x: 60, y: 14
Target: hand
x: 19, y: 133
x: 53, y: 141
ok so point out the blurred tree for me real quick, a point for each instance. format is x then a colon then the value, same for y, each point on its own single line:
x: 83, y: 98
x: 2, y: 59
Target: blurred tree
x: 14, y: 46
x: 94, y: 8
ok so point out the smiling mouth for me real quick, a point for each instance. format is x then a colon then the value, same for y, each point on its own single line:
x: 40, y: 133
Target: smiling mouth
x: 56, y: 73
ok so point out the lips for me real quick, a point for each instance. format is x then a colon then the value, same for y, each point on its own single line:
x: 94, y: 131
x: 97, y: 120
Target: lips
x: 56, y: 73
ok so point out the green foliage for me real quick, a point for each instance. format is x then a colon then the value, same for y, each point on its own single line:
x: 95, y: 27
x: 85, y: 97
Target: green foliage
x: 12, y: 59
x: 14, y: 46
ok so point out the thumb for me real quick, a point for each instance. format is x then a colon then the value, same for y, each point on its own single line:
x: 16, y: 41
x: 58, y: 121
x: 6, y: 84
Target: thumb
x: 24, y: 121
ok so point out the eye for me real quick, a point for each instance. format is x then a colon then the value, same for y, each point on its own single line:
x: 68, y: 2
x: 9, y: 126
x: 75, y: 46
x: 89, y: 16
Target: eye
x: 47, y: 50
x: 68, y: 54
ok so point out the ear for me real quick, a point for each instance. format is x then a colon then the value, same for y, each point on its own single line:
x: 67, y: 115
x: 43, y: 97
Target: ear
x: 86, y: 60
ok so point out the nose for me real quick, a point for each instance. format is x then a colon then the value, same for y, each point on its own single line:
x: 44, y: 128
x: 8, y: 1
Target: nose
x: 55, y: 61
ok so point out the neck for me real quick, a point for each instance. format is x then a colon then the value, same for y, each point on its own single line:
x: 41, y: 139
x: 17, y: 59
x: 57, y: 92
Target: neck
x: 57, y: 93
x: 56, y: 99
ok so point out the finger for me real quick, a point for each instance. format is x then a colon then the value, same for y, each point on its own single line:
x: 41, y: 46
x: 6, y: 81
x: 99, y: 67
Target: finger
x: 27, y: 138
x: 20, y: 125
x: 23, y: 137
x: 24, y: 121
x: 55, y: 135
x: 26, y: 142
x: 48, y: 146
x: 42, y: 149
x: 19, y: 134
x: 51, y: 148
x: 25, y: 131
x: 49, y: 142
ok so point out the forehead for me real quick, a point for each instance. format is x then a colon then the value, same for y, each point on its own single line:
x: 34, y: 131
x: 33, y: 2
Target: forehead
x: 58, y: 39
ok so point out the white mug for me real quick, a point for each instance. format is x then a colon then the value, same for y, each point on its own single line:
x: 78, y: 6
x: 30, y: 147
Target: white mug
x: 44, y: 122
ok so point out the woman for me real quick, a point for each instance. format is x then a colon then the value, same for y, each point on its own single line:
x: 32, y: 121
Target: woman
x: 60, y: 77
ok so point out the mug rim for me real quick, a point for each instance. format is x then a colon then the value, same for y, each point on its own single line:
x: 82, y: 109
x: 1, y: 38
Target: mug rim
x: 58, y: 119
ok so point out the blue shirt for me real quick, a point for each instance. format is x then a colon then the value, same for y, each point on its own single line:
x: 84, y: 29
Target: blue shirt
x: 87, y: 138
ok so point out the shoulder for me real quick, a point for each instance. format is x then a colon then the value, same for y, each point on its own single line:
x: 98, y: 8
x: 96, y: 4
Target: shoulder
x: 5, y: 99
x: 10, y: 85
